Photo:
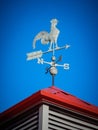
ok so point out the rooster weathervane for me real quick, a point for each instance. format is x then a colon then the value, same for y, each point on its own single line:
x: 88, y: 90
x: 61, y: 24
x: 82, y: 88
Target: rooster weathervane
x: 51, y: 38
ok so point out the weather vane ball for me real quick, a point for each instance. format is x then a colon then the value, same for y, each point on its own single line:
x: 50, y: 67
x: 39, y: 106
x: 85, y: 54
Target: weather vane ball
x: 51, y: 38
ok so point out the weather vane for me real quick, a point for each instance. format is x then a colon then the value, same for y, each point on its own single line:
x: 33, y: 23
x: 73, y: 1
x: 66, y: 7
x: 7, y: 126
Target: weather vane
x: 51, y: 38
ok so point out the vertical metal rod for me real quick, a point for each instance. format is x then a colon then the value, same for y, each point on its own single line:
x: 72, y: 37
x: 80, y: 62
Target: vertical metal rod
x: 52, y: 80
x: 53, y: 49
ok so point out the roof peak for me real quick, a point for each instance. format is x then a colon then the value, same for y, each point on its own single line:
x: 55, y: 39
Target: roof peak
x: 54, y: 88
x: 57, y: 97
x: 65, y: 95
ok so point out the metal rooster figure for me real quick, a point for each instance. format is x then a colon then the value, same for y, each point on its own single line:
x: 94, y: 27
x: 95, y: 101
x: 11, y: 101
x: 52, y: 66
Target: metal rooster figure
x: 51, y: 38
x: 46, y: 37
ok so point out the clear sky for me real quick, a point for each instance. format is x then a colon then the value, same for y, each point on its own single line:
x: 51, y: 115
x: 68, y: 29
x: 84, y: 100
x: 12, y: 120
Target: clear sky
x: 20, y: 21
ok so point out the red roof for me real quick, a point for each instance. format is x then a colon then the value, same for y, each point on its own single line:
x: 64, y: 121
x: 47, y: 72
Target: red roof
x: 69, y: 101
x: 53, y: 95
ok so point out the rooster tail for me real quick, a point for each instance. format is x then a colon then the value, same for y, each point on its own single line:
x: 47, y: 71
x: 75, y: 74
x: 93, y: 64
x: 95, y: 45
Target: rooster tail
x: 43, y: 36
x: 34, y: 42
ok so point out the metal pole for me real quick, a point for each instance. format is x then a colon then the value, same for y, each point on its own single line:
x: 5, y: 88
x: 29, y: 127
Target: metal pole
x: 52, y: 80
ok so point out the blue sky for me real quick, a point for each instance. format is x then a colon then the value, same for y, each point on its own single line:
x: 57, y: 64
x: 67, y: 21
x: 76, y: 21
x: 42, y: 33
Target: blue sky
x: 20, y: 21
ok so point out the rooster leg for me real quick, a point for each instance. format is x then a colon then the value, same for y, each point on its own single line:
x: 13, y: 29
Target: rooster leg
x: 50, y: 46
x: 56, y: 45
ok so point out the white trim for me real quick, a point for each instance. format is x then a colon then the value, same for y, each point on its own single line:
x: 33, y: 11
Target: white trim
x: 43, y: 117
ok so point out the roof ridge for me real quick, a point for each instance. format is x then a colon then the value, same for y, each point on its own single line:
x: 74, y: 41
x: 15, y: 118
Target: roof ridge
x: 59, y: 92
x: 58, y: 89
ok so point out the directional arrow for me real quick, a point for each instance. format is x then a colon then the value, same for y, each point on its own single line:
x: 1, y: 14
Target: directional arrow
x: 38, y: 54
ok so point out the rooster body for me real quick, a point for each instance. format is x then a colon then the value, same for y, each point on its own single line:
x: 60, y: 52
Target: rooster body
x: 46, y: 37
